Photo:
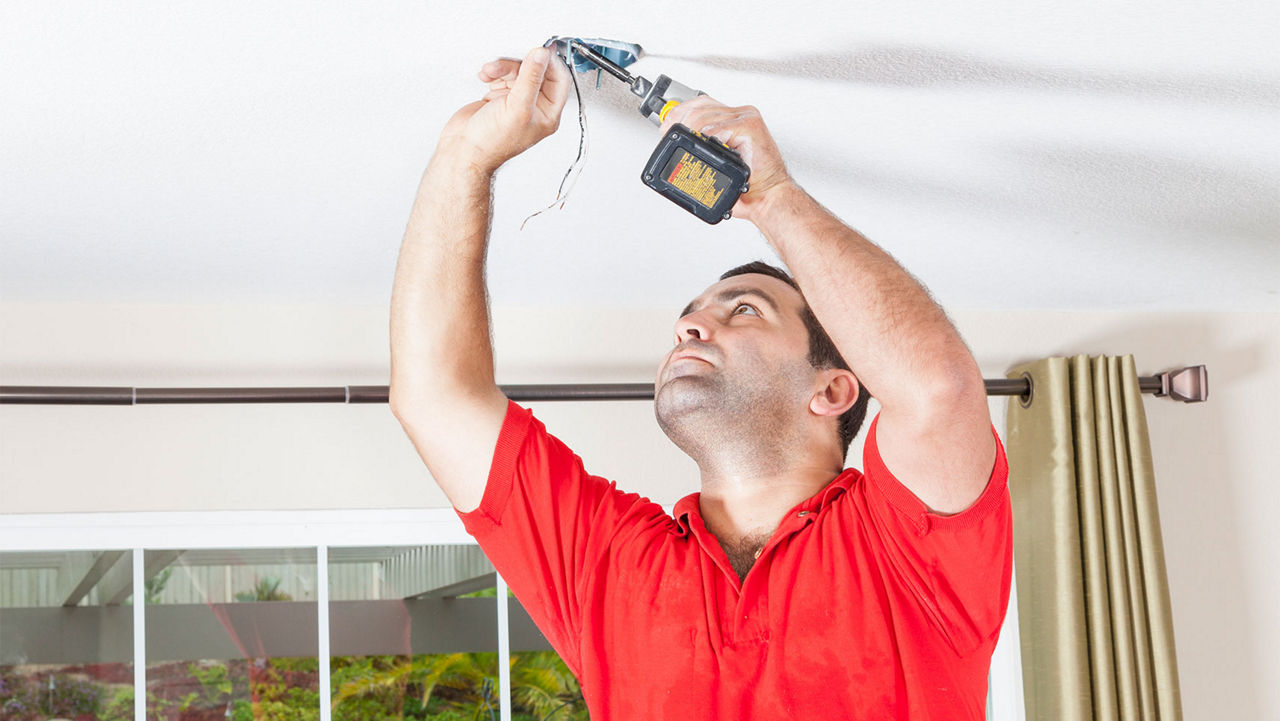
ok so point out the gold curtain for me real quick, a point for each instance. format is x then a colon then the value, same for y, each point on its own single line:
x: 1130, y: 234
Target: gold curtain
x: 1093, y: 597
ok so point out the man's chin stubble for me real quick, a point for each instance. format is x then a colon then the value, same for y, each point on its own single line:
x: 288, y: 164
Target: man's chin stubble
x: 680, y: 400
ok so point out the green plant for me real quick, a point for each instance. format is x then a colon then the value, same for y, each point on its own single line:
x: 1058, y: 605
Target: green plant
x: 266, y: 589
x: 120, y: 707
x: 305, y: 664
x: 158, y: 706
x: 491, y: 592
x: 283, y: 689
x: 544, y: 687
x: 285, y: 711
x: 465, y: 684
x: 215, y: 682
x: 155, y: 585
x: 18, y: 700
x: 55, y: 697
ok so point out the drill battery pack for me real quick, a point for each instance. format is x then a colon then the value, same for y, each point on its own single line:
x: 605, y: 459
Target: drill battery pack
x: 698, y: 173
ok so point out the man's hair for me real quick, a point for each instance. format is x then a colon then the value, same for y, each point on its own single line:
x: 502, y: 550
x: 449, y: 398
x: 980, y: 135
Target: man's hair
x: 822, y: 351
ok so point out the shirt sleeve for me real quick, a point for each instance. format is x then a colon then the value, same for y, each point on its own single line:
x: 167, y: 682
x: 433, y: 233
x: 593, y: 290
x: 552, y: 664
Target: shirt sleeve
x: 959, y: 567
x: 545, y: 523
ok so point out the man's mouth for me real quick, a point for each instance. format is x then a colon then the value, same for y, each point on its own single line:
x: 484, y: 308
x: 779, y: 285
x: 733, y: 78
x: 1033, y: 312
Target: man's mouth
x: 681, y: 364
x: 688, y: 356
x: 689, y: 349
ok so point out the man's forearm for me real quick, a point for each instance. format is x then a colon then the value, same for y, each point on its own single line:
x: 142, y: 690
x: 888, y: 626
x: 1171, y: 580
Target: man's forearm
x: 896, y: 339
x: 442, y: 377
x: 439, y: 310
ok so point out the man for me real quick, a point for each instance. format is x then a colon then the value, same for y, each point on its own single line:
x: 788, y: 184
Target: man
x: 788, y: 588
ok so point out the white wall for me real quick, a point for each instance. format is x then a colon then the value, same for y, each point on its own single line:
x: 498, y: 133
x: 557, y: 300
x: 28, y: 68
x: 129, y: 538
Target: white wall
x: 1214, y: 461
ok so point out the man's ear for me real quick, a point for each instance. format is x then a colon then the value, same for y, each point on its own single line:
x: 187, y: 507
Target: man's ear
x: 838, y: 393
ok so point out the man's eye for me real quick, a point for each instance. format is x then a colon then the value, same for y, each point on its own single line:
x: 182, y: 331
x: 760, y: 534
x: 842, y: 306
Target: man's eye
x: 738, y: 309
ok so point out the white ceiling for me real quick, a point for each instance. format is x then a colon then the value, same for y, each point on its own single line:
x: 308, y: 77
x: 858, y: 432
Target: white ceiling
x: 1089, y: 157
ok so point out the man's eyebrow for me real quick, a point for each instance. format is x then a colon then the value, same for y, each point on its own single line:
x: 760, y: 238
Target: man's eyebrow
x: 729, y: 294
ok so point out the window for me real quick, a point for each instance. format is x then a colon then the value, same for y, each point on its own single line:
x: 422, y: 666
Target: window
x: 231, y: 634
x: 413, y: 632
x: 66, y: 634
x: 268, y: 616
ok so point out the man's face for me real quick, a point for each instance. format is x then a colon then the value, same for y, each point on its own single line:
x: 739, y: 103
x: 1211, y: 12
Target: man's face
x: 740, y: 351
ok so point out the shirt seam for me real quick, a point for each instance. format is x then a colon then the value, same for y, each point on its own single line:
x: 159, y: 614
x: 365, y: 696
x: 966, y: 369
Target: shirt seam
x: 502, y: 469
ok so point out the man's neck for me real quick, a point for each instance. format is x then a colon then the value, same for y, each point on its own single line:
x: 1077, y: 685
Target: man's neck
x: 738, y: 505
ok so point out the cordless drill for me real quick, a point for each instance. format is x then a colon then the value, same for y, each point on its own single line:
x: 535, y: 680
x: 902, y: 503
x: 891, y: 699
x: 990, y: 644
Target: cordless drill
x: 699, y: 173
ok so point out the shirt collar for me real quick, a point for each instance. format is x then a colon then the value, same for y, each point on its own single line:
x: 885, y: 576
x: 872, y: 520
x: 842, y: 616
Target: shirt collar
x: 688, y: 507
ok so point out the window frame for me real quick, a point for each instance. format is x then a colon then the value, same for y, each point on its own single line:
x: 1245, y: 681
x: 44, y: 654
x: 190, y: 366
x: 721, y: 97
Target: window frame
x: 140, y: 532
x: 157, y: 530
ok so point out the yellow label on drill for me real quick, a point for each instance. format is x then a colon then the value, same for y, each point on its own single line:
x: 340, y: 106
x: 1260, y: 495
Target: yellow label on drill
x: 695, y: 179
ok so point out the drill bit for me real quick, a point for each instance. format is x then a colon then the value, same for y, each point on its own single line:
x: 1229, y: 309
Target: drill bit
x: 639, y: 86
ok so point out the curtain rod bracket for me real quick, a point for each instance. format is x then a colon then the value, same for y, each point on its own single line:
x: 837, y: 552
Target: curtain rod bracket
x: 1189, y: 385
x: 1025, y: 398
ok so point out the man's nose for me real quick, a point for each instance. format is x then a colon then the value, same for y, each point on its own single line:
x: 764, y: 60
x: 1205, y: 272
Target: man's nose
x: 695, y: 325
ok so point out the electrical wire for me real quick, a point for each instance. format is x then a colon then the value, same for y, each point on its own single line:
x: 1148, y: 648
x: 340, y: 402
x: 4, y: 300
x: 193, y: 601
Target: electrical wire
x: 575, y: 169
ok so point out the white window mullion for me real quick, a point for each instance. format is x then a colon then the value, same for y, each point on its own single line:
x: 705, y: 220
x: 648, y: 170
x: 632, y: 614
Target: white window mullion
x: 139, y: 637
x: 504, y: 652
x: 322, y: 614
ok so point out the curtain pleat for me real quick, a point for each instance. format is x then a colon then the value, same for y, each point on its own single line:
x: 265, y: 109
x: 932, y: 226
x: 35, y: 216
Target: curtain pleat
x: 1093, y: 599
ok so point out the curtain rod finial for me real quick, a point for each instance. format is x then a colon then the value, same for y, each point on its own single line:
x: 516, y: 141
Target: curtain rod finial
x: 1189, y: 385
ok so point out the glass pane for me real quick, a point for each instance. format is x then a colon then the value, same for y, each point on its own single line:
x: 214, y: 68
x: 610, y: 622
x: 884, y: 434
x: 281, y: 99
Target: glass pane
x: 231, y: 634
x: 66, y: 635
x: 542, y: 686
x: 413, y: 633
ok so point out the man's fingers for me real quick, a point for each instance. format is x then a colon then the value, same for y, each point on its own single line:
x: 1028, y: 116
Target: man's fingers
x: 729, y: 125
x: 555, y: 88
x: 692, y: 112
x: 529, y: 81
x: 712, y: 118
x: 500, y: 69
x: 724, y: 134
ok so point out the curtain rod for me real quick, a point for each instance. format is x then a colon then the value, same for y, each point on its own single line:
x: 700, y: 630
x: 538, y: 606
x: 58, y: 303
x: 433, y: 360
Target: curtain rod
x: 1190, y: 385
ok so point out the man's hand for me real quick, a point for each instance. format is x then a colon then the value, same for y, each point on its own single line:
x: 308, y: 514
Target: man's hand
x: 744, y: 130
x: 523, y: 106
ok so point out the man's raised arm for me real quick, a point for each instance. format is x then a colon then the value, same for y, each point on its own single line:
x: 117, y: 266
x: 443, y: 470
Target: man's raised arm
x: 443, y: 390
x: 934, y: 431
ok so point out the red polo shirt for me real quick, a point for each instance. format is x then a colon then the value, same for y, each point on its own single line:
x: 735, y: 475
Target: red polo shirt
x: 862, y: 605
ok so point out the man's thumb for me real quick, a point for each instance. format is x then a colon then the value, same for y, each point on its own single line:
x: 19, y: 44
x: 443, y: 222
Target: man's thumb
x: 529, y: 80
